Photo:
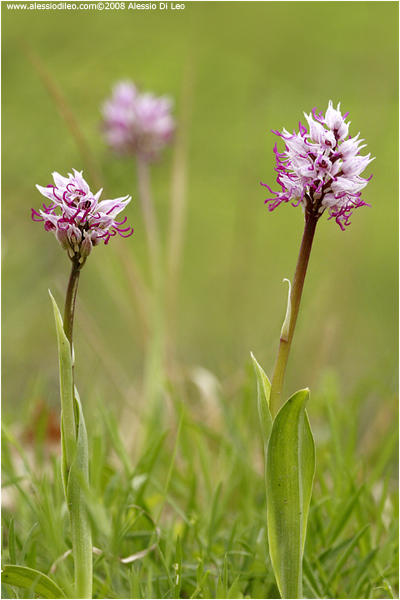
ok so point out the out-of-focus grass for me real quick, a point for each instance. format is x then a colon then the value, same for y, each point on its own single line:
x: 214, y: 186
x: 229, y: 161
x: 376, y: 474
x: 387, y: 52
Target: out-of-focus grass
x: 201, y: 480
x: 254, y: 67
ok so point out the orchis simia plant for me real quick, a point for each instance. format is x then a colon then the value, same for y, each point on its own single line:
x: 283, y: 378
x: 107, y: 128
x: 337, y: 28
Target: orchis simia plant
x: 79, y: 221
x: 140, y: 125
x: 319, y: 170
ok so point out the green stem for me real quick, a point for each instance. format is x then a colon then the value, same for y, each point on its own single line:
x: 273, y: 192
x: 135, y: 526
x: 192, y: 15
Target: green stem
x: 69, y: 311
x: 80, y: 526
x: 311, y: 220
x: 69, y: 414
x: 69, y: 314
x: 155, y: 349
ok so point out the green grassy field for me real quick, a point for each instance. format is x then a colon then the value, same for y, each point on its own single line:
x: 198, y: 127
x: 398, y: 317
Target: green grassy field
x: 235, y: 70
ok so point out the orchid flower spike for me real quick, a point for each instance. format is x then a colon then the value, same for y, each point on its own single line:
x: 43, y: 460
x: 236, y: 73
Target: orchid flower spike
x: 320, y: 168
x: 78, y: 218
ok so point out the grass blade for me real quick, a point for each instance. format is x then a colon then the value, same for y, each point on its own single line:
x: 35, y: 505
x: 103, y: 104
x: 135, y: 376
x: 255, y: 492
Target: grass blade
x: 178, y: 569
x: 12, y: 543
x: 312, y: 579
x: 340, y: 562
x: 234, y: 589
x: 29, y: 579
x: 136, y: 591
x: 339, y: 523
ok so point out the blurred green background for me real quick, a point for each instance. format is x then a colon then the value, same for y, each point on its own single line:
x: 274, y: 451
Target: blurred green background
x: 236, y: 70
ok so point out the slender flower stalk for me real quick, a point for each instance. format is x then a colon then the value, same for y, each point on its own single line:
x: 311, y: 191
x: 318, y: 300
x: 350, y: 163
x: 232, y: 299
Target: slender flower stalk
x: 140, y: 125
x: 319, y: 170
x: 285, y: 342
x: 79, y: 221
x: 155, y: 354
x: 70, y: 299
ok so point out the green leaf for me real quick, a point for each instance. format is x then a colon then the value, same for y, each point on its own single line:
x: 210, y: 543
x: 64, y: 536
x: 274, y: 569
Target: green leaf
x: 12, y: 542
x: 341, y: 519
x: 136, y: 590
x: 263, y: 395
x: 75, y: 463
x: 201, y: 579
x: 225, y: 577
x: 290, y: 474
x: 164, y: 562
x: 312, y: 578
x: 78, y: 482
x: 340, y: 562
x: 361, y: 573
x: 29, y: 579
x: 234, y: 591
x: 27, y: 543
x: 68, y: 417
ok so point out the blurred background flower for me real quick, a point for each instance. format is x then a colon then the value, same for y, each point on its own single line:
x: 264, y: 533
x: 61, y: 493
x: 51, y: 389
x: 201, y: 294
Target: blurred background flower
x: 137, y: 123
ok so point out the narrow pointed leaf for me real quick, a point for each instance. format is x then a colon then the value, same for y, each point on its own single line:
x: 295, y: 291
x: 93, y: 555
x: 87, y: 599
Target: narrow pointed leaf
x: 263, y: 395
x: 75, y: 463
x: 136, y: 590
x: 340, y: 562
x: 312, y: 579
x: 29, y: 579
x: 340, y: 521
x: 234, y: 591
x: 68, y: 421
x: 12, y: 543
x: 78, y: 482
x: 290, y: 473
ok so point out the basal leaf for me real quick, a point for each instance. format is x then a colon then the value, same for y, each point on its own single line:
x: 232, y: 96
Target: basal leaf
x: 75, y: 463
x: 78, y: 482
x: 290, y: 473
x: 29, y: 579
x: 307, y: 455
